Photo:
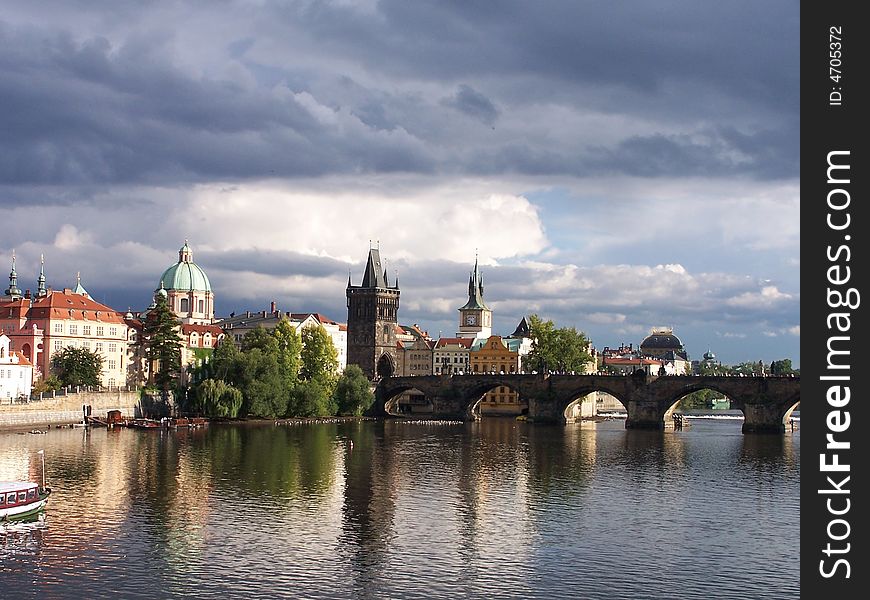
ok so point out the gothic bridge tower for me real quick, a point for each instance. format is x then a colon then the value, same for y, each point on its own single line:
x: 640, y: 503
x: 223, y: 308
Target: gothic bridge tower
x: 372, y: 317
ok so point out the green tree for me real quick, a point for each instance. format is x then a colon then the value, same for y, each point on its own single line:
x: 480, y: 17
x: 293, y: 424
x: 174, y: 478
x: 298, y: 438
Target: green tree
x: 319, y: 356
x: 781, y: 367
x: 226, y: 362
x: 288, y: 350
x: 352, y: 393
x: 261, y: 338
x: 160, y: 344
x: 47, y: 384
x: 261, y: 384
x: 313, y: 398
x: 77, y: 366
x: 563, y: 349
x: 215, y: 398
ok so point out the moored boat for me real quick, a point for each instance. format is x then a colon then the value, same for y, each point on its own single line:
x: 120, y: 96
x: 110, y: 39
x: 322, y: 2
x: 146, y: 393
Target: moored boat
x: 21, y: 499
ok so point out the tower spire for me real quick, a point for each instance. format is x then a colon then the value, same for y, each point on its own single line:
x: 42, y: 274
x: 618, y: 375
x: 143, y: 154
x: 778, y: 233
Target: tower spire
x: 40, y: 282
x: 12, y: 291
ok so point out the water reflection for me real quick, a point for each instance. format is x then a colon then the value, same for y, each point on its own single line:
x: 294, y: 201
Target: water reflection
x: 497, y: 508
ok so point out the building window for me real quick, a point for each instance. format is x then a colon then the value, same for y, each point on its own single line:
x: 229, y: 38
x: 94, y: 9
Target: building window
x: 100, y: 331
x: 86, y: 330
x: 113, y: 364
x: 73, y: 329
x: 58, y: 327
x: 57, y: 345
x: 99, y: 347
x: 202, y: 306
x: 184, y: 305
x: 113, y: 347
x: 113, y: 332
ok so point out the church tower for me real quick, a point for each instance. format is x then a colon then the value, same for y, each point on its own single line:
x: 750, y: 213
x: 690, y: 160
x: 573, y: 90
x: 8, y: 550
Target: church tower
x: 12, y: 291
x: 475, y: 318
x: 372, y: 317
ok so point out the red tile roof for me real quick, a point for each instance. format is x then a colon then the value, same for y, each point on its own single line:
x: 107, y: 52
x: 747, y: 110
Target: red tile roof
x: 188, y: 328
x: 466, y: 342
x: 69, y: 305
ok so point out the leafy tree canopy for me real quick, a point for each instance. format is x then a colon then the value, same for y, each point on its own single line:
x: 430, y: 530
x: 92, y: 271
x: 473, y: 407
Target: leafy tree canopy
x: 556, y: 349
x: 77, y: 366
x: 288, y: 349
x: 260, y: 338
x: 215, y: 398
x: 319, y: 356
x: 352, y: 393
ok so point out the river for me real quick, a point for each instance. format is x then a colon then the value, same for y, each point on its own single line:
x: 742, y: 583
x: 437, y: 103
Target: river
x: 494, y: 509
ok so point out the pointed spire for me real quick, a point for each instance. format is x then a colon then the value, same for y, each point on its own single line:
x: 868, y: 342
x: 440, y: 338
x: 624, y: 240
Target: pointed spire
x: 40, y: 282
x: 396, y: 282
x: 79, y: 288
x: 374, y: 275
x: 348, y: 278
x: 475, y: 288
x: 12, y: 291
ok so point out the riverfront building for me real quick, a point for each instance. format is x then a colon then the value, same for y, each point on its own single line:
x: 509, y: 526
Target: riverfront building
x: 41, y: 325
x: 16, y: 372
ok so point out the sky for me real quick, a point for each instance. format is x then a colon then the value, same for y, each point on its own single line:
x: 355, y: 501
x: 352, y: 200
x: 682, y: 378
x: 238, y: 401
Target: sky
x: 615, y: 166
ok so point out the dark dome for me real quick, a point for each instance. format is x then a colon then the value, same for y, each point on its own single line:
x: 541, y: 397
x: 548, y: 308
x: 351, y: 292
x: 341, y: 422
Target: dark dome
x: 662, y: 340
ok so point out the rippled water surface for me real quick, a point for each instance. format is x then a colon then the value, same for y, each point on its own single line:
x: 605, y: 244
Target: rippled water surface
x: 496, y: 509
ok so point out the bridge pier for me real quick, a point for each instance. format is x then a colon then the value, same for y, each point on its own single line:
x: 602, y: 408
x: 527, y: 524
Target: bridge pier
x: 544, y: 410
x: 644, y: 415
x: 762, y: 418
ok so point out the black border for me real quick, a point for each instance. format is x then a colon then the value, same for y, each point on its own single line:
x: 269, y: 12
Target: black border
x: 826, y: 128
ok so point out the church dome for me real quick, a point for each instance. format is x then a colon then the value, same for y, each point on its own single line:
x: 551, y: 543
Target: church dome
x: 185, y: 275
x: 661, y: 340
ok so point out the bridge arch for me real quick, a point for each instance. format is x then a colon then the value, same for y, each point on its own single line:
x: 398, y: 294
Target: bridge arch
x: 494, y: 398
x: 573, y: 401
x: 389, y: 399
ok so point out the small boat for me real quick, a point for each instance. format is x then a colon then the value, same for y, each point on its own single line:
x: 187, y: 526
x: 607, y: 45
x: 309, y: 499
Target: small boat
x: 144, y: 424
x: 21, y: 500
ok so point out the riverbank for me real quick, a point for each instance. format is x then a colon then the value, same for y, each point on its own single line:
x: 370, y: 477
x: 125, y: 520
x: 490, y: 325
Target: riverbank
x: 67, y: 410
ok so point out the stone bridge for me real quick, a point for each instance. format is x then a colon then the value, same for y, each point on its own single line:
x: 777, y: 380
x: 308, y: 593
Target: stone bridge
x: 766, y: 402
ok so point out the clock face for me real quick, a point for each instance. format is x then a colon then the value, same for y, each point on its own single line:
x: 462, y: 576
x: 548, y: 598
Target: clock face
x: 470, y: 320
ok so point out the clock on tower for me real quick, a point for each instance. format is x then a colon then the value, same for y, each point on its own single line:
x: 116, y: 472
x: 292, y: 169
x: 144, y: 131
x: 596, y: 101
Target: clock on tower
x: 470, y: 320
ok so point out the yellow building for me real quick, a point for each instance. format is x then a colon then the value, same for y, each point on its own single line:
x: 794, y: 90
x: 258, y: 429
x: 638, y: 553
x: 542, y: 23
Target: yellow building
x: 497, y: 355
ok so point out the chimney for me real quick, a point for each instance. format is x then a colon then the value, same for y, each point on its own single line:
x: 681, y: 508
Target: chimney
x: 273, y: 307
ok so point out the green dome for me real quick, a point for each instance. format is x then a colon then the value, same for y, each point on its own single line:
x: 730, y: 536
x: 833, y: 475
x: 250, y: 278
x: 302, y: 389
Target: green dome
x: 185, y: 275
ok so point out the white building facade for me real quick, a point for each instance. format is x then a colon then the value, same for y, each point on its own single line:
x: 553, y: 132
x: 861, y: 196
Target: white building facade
x: 16, y: 373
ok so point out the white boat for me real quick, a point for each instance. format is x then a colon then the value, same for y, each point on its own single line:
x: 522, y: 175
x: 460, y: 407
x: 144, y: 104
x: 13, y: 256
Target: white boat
x: 21, y: 500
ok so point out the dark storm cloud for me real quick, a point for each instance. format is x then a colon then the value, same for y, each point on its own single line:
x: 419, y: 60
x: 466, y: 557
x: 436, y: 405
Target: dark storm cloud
x: 274, y: 263
x: 89, y: 96
x: 474, y: 104
x: 766, y: 154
